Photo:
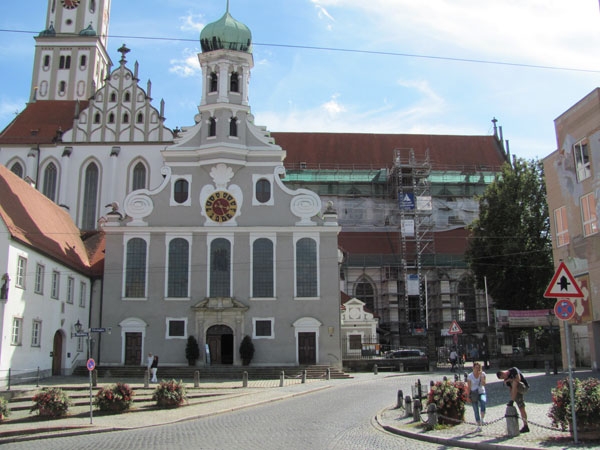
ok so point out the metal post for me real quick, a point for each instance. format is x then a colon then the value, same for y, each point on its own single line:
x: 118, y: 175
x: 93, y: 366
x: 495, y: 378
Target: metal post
x: 571, y: 392
x: 281, y: 378
x: 89, y: 356
x: 245, y: 379
x: 304, y: 376
x: 328, y: 374
x: 375, y: 369
x: 197, y: 378
x: 37, y: 382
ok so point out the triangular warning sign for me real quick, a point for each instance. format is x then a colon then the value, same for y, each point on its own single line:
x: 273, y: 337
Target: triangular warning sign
x: 455, y: 328
x: 563, y: 284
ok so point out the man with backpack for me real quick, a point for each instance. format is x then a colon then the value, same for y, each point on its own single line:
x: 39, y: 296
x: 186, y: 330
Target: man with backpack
x: 518, y: 385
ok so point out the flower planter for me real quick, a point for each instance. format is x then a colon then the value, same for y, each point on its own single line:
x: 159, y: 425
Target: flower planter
x: 451, y: 416
x: 587, y: 432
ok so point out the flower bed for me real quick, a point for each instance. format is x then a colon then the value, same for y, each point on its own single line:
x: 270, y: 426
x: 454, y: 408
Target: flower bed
x: 115, y: 398
x: 51, y: 402
x: 169, y: 394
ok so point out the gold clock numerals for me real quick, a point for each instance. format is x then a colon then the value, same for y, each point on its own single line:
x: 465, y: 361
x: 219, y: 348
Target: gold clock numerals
x: 220, y: 206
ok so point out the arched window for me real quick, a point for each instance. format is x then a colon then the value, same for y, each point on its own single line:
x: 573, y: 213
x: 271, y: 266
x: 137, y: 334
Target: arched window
x: 111, y: 118
x: 234, y: 83
x: 62, y: 87
x: 365, y: 293
x: 467, y: 307
x: 50, y: 180
x: 61, y: 62
x: 306, y: 268
x: 233, y: 127
x: 263, y: 190
x: 113, y: 97
x: 220, y: 268
x: 212, y: 126
x: 17, y: 169
x: 97, y: 118
x: 82, y: 60
x: 140, y: 118
x: 180, y: 192
x: 68, y: 62
x: 127, y: 97
x: 90, y: 197
x: 47, y: 61
x: 125, y: 118
x: 135, y: 268
x: 178, y: 268
x: 262, y: 268
x: 139, y: 176
x: 213, y: 82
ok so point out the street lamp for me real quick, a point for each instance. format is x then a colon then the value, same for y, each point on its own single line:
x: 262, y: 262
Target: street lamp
x: 551, y: 324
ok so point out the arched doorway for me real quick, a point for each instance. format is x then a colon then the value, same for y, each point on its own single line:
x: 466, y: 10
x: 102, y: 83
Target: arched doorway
x: 57, y: 351
x: 220, y: 343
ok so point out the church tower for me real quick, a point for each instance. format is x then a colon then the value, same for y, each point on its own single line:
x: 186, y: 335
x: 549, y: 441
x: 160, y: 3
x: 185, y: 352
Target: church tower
x: 70, y: 60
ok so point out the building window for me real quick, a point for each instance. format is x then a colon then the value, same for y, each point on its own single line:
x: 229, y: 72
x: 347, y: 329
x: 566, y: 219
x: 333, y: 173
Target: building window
x: 263, y: 190
x: 127, y: 97
x: 50, y: 180
x: 97, y: 118
x: 212, y: 127
x: 220, y: 268
x: 213, y: 82
x: 582, y: 160
x: 82, y: 61
x: 62, y: 87
x: 82, y: 294
x: 178, y: 275
x: 561, y: 225
x: 64, y: 62
x: 233, y: 128
x: 135, y: 269
x: 36, y: 333
x: 139, y: 177
x: 17, y: 169
x: 306, y: 268
x: 365, y: 292
x: 90, y: 197
x: 176, y: 328
x: 111, y: 118
x: 70, y: 290
x: 113, y: 97
x: 263, y: 329
x: 467, y: 311
x: 55, y: 290
x: 262, y: 268
x: 17, y: 331
x: 140, y: 118
x: 125, y: 118
x: 21, y: 272
x: 39, y: 279
x: 47, y: 61
x: 588, y: 214
x: 234, y: 84
x: 180, y: 191
x: 354, y: 342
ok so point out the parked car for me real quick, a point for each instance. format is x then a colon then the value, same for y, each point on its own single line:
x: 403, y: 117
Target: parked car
x: 411, y: 358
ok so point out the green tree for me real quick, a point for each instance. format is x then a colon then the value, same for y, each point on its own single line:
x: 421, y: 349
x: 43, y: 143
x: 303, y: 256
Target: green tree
x: 510, y: 245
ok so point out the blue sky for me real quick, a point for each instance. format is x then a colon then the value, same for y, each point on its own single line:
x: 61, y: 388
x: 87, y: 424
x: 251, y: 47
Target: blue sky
x: 406, y: 67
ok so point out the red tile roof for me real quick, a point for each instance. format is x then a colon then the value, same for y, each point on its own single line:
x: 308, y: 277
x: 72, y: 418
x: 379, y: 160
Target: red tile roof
x: 344, y: 150
x: 39, y: 122
x: 39, y: 223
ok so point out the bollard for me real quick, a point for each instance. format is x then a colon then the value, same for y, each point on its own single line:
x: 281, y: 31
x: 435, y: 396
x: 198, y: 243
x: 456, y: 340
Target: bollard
x: 304, y: 376
x: 408, y: 403
x: 197, y: 378
x: 432, y: 418
x: 417, y: 406
x: 281, y: 377
x: 375, y: 369
x: 146, y: 378
x: 512, y: 421
x: 547, y: 367
x: 328, y: 374
x: 37, y: 384
x: 94, y: 378
x: 400, y: 399
x: 245, y: 379
x: 400, y: 367
x: 419, y: 389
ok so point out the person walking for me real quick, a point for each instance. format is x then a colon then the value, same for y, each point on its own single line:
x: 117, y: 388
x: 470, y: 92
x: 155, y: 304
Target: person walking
x: 453, y: 359
x: 154, y: 368
x: 149, y: 362
x: 518, y: 385
x: 477, y: 395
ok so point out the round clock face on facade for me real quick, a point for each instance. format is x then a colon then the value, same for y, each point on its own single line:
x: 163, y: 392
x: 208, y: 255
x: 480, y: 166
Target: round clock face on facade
x: 70, y: 4
x: 220, y: 206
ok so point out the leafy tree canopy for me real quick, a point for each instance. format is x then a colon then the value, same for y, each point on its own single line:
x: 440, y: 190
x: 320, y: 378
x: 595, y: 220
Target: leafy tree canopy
x: 510, y: 245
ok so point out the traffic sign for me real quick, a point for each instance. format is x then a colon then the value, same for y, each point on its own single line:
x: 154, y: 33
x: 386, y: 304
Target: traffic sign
x: 455, y: 328
x: 563, y: 284
x: 564, y: 309
x: 91, y: 364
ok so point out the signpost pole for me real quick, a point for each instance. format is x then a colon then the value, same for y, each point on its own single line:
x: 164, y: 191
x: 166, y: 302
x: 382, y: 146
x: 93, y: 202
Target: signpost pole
x: 571, y: 391
x: 90, y: 371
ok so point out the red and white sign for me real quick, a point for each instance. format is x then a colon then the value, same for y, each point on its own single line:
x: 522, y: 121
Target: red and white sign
x: 564, y: 309
x: 455, y: 328
x: 563, y: 284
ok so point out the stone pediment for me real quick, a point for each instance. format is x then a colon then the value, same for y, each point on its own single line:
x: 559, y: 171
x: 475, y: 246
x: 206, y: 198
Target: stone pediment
x: 220, y: 304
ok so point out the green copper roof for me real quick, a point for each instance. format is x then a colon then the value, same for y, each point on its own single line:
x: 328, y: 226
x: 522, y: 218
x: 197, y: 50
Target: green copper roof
x: 226, y: 33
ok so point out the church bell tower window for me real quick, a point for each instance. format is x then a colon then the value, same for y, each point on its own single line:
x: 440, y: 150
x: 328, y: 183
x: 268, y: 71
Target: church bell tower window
x: 234, y: 84
x: 213, y: 82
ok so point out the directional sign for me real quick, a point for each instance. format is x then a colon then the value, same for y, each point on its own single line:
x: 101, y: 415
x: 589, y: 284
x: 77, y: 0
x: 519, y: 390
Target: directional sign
x: 81, y: 334
x: 97, y: 330
x: 91, y: 364
x: 564, y: 309
x: 563, y: 284
x: 455, y: 328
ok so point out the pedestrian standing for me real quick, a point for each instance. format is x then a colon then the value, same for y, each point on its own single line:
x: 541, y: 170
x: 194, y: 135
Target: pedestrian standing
x: 154, y: 368
x: 477, y: 395
x: 518, y: 385
x: 149, y: 362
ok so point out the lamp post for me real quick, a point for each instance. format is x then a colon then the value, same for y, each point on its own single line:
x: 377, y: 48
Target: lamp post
x: 551, y: 325
x: 80, y: 333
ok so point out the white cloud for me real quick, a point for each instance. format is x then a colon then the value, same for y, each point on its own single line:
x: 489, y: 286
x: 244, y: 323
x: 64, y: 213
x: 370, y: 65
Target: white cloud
x: 188, y: 66
x: 192, y: 22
